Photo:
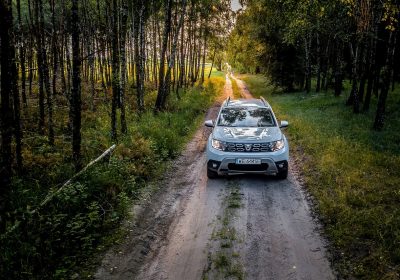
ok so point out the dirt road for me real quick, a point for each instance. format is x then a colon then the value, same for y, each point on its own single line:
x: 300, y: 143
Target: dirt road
x: 243, y: 227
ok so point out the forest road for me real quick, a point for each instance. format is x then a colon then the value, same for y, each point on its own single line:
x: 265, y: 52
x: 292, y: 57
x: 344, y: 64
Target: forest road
x: 191, y: 230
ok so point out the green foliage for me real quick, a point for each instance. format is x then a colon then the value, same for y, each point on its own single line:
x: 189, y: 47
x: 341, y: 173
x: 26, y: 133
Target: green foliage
x: 168, y: 130
x: 51, y: 242
x: 258, y: 44
x: 351, y: 172
x: 280, y: 38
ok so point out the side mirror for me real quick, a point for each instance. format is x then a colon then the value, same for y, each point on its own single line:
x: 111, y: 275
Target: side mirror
x: 284, y: 124
x: 209, y: 123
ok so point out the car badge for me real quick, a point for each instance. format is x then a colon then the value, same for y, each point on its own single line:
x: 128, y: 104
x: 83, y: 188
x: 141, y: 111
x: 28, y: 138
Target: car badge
x: 248, y: 147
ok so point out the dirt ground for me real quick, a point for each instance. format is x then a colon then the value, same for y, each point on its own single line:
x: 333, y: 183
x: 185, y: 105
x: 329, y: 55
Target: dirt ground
x: 242, y: 227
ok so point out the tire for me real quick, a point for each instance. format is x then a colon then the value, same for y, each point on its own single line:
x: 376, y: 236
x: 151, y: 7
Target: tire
x: 282, y: 175
x: 211, y: 174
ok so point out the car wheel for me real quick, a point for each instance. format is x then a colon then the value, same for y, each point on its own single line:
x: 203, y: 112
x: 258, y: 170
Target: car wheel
x: 281, y: 175
x: 211, y: 174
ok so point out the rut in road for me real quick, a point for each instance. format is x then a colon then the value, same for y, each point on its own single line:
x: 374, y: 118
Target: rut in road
x: 242, y: 227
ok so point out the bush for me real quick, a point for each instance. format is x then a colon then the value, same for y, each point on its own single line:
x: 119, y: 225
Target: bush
x: 52, y: 241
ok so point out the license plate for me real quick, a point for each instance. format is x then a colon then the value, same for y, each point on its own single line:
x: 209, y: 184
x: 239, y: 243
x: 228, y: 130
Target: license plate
x: 248, y: 161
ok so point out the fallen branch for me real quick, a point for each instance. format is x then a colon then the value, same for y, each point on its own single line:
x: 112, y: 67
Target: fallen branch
x: 52, y: 194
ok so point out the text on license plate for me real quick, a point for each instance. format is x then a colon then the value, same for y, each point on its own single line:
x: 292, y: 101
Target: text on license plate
x: 248, y: 161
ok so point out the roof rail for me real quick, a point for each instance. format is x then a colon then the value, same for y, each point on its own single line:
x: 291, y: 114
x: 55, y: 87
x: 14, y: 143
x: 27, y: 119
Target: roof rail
x: 227, y: 101
x: 264, y: 101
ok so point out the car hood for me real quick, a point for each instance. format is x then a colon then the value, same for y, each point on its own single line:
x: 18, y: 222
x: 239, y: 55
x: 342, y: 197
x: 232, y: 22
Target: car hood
x: 251, y: 134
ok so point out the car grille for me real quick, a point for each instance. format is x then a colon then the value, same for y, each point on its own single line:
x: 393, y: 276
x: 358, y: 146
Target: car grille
x: 255, y: 148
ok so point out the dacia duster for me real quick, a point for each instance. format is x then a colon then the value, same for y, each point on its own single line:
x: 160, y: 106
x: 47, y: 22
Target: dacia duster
x: 247, y: 138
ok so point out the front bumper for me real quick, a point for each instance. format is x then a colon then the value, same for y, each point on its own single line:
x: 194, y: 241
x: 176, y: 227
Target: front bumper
x: 224, y: 163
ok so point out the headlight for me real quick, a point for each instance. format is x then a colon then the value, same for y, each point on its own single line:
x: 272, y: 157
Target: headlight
x: 277, y: 145
x: 218, y: 145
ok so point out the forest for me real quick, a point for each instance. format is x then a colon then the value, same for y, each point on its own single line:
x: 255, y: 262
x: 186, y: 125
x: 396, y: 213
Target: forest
x: 98, y: 96
x: 295, y: 42
x: 77, y: 77
x: 332, y: 69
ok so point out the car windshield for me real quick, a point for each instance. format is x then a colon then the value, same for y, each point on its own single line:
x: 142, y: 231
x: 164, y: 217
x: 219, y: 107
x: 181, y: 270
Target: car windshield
x: 246, y: 117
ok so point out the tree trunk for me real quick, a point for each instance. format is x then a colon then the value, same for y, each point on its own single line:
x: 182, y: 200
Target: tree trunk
x: 354, y: 98
x: 212, y: 64
x: 22, y: 55
x: 203, y: 67
x: 307, y: 49
x: 49, y: 99
x: 171, y: 63
x: 115, y: 70
x: 122, y: 53
x: 318, y: 86
x: 142, y: 54
x: 325, y: 67
x: 386, y: 75
x: 161, y: 80
x: 371, y: 70
x: 76, y: 86
x: 7, y: 61
x: 154, y: 75
x: 338, y: 70
x: 39, y: 57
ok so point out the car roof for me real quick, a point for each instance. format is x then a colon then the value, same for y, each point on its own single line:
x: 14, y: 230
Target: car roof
x: 246, y: 103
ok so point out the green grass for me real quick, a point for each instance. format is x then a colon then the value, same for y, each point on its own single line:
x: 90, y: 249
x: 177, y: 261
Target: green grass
x: 235, y: 89
x: 54, y: 241
x: 215, y: 73
x: 352, y: 172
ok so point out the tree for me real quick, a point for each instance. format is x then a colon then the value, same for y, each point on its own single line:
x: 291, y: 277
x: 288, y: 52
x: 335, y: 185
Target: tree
x: 7, y: 77
x: 75, y: 106
x: 115, y: 70
x: 167, y: 79
x: 162, y: 84
x: 390, y: 17
x: 329, y: 40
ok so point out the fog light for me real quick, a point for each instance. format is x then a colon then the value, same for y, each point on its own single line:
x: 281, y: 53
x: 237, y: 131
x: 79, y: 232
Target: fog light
x: 214, y: 165
x: 281, y: 165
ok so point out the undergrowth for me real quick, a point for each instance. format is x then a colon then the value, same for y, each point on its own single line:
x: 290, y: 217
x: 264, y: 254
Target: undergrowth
x: 51, y: 242
x: 352, y: 172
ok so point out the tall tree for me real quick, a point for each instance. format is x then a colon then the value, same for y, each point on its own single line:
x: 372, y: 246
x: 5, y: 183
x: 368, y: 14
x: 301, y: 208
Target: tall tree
x: 161, y: 80
x: 7, y: 61
x: 39, y: 32
x: 122, y: 53
x: 386, y: 75
x: 139, y: 18
x: 115, y: 70
x: 171, y: 64
x: 22, y: 54
x: 75, y: 106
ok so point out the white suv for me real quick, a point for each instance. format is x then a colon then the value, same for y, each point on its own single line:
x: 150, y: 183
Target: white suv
x: 246, y: 138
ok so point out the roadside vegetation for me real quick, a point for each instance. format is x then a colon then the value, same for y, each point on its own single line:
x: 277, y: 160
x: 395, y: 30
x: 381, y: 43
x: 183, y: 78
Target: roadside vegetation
x: 235, y: 89
x: 333, y: 73
x: 52, y: 241
x: 351, y: 171
x: 331, y: 42
x: 81, y: 77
